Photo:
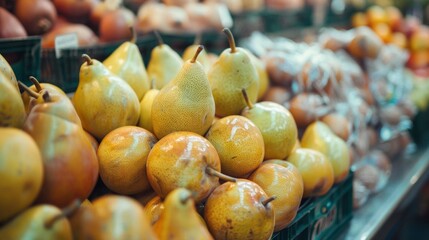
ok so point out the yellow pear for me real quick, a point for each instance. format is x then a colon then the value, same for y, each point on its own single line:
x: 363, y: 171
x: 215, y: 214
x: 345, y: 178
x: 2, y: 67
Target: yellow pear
x: 276, y: 124
x: 184, y: 159
x: 21, y: 173
x: 232, y: 72
x: 285, y: 182
x: 40, y: 222
x: 164, y: 64
x: 68, y: 156
x: 12, y: 110
x: 8, y: 73
x: 186, y: 103
x: 179, y: 219
x: 264, y: 81
x: 104, y: 101
x: 145, y: 120
x: 127, y: 63
x: 240, y: 210
x: 318, y: 136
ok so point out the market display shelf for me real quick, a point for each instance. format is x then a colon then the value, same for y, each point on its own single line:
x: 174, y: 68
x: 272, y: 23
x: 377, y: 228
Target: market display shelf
x: 407, y: 174
x: 322, y: 217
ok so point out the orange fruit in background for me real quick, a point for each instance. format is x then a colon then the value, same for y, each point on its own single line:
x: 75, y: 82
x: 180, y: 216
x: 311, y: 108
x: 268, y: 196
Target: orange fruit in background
x: 316, y: 171
x: 359, y: 19
x: 285, y: 182
x: 394, y: 17
x: 419, y: 59
x: 122, y: 155
x: 399, y: 39
x: 419, y: 40
x: 383, y: 31
x: 375, y: 15
x: 239, y: 143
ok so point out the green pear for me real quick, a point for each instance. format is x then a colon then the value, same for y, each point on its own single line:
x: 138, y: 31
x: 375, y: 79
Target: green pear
x: 145, y: 120
x: 104, y: 101
x: 180, y: 219
x: 127, y: 63
x: 164, y: 64
x: 40, y: 222
x: 277, y: 126
x: 186, y: 103
x: 232, y: 72
x: 318, y: 136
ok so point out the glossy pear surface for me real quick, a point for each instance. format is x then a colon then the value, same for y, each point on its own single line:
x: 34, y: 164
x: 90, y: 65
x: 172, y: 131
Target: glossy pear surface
x: 316, y: 171
x: 319, y: 136
x: 181, y: 159
x: 277, y: 127
x: 235, y: 211
x: 285, y: 182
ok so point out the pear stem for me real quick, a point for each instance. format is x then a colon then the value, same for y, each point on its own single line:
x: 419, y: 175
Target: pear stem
x: 199, y: 49
x: 268, y: 200
x: 46, y: 97
x: 67, y: 211
x: 231, y: 40
x: 36, y: 83
x: 30, y: 92
x: 220, y: 175
x: 133, y: 34
x: 87, y: 59
x: 246, y: 98
x: 159, y: 38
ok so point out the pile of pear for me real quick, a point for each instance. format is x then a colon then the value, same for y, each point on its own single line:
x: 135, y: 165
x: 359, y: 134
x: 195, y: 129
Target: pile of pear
x: 184, y: 147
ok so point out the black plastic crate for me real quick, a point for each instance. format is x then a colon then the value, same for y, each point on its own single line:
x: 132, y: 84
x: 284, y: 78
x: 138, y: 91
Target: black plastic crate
x: 323, y: 217
x: 23, y: 54
x: 278, y: 21
x: 214, y: 42
x: 64, y: 71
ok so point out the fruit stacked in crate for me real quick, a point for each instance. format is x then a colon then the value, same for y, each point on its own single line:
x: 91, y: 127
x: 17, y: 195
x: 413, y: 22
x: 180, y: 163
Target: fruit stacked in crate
x: 183, y: 147
x: 353, y: 83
